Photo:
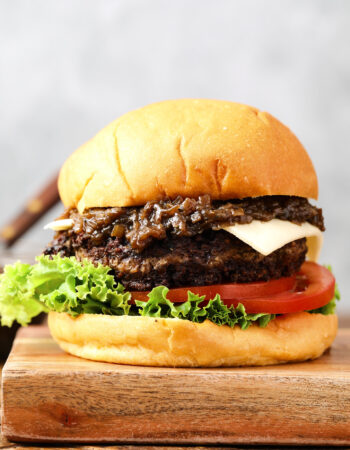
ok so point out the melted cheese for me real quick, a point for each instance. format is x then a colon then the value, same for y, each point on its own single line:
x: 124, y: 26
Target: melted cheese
x: 266, y: 237
x: 59, y: 225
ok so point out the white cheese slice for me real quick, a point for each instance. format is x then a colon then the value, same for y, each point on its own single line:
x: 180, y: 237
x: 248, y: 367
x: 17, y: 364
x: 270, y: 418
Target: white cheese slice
x: 266, y: 237
x: 59, y: 225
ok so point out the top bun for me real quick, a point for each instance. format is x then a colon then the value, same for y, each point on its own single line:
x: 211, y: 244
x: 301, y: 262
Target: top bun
x: 189, y: 148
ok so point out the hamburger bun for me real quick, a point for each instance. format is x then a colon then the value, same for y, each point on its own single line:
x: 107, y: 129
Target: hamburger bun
x: 188, y: 148
x: 181, y: 343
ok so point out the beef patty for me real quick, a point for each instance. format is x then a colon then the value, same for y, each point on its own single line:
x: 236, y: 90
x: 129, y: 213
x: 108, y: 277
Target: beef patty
x: 211, y: 257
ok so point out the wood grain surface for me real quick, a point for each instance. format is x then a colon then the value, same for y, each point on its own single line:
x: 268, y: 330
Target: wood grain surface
x: 49, y: 396
x: 5, y: 444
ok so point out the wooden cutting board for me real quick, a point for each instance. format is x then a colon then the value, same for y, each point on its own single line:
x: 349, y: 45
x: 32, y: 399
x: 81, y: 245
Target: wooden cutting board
x: 50, y: 396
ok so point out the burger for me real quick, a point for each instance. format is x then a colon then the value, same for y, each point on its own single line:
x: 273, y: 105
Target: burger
x: 188, y: 239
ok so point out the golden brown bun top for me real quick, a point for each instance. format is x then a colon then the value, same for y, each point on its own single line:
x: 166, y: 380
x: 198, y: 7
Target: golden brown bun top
x: 188, y: 148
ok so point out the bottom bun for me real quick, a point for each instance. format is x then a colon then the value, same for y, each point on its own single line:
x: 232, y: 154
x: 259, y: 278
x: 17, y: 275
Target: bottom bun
x: 149, y: 341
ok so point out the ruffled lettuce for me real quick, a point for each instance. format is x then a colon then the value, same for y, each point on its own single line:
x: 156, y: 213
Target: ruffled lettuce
x: 215, y: 310
x: 17, y: 295
x: 67, y: 285
x: 62, y: 285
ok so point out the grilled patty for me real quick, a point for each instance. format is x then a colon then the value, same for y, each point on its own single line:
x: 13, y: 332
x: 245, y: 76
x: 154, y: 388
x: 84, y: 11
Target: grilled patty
x: 212, y: 257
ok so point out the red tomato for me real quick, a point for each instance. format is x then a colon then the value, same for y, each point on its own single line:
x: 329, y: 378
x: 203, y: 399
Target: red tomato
x: 227, y: 291
x: 317, y: 284
x: 312, y: 288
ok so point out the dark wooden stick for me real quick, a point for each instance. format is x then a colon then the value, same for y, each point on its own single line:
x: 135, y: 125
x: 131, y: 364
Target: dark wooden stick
x: 33, y: 211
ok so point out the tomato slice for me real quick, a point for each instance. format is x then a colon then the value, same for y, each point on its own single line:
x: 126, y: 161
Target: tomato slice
x: 312, y: 288
x: 319, y: 286
x: 227, y: 291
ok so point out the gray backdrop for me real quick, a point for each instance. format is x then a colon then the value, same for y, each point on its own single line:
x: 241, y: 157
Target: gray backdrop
x: 69, y: 67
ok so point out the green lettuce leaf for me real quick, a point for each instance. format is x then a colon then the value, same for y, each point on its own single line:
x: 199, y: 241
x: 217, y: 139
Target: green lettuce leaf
x: 62, y: 285
x: 17, y: 302
x: 215, y: 310
x: 67, y: 285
